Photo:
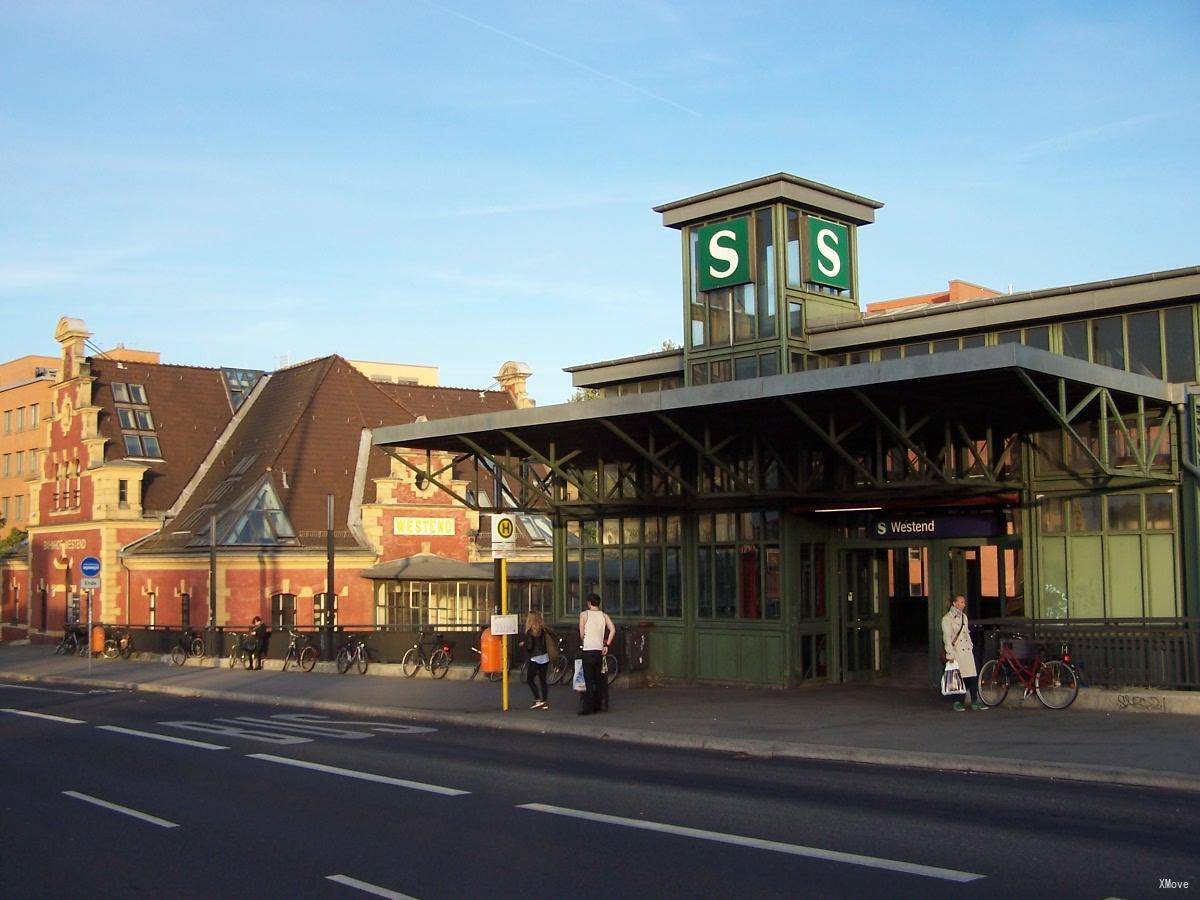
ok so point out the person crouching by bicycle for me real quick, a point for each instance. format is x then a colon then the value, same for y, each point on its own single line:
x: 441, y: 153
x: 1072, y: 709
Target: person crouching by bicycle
x: 537, y: 641
x: 256, y: 645
x: 957, y: 646
x: 596, y: 633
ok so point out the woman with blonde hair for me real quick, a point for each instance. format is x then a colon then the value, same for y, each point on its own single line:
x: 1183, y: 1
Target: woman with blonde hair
x: 536, y: 641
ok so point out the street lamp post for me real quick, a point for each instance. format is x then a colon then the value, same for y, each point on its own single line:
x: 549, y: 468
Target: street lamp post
x: 327, y: 617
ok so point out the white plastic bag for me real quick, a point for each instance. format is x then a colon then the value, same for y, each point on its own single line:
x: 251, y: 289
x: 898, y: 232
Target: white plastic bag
x: 579, y: 683
x: 952, y: 682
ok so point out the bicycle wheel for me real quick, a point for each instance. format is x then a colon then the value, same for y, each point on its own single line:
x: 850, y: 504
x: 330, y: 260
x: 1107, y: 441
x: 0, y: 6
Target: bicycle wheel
x: 196, y: 647
x: 127, y: 647
x: 344, y: 657
x: 364, y: 660
x: 233, y: 655
x: 308, y: 658
x: 247, y: 661
x: 613, y: 668
x: 288, y: 657
x: 993, y: 683
x: 177, y: 655
x: 411, y: 663
x: 1056, y: 685
x: 439, y: 663
x: 110, y: 648
x: 61, y: 649
x: 558, y: 669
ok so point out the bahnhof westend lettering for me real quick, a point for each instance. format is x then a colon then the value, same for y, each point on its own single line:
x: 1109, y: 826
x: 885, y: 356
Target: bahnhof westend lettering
x: 793, y: 493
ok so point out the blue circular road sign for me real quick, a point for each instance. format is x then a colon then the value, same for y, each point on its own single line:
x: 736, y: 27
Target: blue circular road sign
x: 90, y: 567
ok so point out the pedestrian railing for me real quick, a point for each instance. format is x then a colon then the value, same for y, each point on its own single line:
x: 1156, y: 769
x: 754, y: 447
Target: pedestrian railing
x: 1162, y: 653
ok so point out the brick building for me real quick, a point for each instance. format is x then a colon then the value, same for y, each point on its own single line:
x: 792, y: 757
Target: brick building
x: 142, y: 459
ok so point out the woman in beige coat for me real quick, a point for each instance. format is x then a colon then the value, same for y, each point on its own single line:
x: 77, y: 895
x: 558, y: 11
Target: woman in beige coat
x: 956, y: 641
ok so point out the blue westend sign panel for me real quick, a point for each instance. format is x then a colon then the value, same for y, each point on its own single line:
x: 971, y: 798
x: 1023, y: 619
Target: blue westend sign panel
x: 932, y: 527
x: 89, y: 567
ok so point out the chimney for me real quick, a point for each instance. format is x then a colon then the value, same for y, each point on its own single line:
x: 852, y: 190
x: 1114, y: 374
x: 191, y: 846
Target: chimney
x: 512, y: 378
x: 71, y: 335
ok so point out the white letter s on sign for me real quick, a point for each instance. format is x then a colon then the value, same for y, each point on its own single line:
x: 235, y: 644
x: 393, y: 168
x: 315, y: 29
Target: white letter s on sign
x: 831, y: 265
x: 728, y: 254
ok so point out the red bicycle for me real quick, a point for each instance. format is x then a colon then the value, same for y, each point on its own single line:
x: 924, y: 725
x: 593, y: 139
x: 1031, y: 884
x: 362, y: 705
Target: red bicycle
x: 1052, y: 680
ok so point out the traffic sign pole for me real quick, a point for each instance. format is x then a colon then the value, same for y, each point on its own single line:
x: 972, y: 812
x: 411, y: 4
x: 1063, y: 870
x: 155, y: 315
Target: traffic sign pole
x: 504, y: 612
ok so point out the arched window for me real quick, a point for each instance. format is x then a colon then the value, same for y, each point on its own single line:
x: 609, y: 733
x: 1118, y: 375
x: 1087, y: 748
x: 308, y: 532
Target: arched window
x: 283, y: 610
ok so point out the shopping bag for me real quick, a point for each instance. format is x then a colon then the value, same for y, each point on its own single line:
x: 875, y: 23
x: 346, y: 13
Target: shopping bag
x: 952, y: 682
x: 579, y: 683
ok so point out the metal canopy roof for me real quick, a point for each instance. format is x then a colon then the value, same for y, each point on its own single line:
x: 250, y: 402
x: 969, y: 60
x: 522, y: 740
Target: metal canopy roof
x: 981, y: 380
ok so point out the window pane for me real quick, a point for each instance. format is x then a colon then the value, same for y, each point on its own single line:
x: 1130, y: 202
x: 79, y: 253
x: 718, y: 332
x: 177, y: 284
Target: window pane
x: 1052, y: 516
x: 673, y: 535
x: 744, y: 328
x: 793, y: 249
x: 1124, y: 512
x: 745, y: 367
x: 150, y: 443
x: 1181, y: 344
x: 610, y: 594
x: 1108, y: 347
x: 631, y: 588
x: 125, y: 417
x: 795, y: 319
x: 674, y: 583
x: 718, y: 317
x: 765, y: 248
x: 725, y: 586
x: 144, y: 421
x: 654, y: 581
x: 137, y: 393
x: 120, y: 394
x: 704, y: 581
x: 724, y: 527
x: 1038, y: 337
x: 632, y: 529
x: 749, y: 582
x: 1085, y: 514
x: 945, y: 345
x: 1009, y: 337
x: 921, y: 349
x: 771, y: 591
x: 700, y: 373
x: 973, y: 340
x: 1145, y: 344
x: 721, y: 371
x: 1075, y: 340
x: 1159, y: 512
x: 133, y: 447
x: 612, y: 532
x: 768, y: 364
x: 651, y: 527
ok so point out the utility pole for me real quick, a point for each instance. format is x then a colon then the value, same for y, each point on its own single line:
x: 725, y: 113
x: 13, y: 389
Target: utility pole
x: 212, y: 585
x: 327, y: 619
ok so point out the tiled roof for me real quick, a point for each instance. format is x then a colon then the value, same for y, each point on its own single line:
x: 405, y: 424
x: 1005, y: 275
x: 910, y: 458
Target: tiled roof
x: 302, y: 434
x: 190, y: 407
x: 446, y: 402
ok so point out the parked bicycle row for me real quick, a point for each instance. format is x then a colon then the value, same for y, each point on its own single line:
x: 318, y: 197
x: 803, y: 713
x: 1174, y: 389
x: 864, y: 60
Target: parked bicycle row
x: 432, y: 651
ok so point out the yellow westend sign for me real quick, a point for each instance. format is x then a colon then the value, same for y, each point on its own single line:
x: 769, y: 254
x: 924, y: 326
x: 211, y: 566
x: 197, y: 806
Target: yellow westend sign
x: 423, y: 527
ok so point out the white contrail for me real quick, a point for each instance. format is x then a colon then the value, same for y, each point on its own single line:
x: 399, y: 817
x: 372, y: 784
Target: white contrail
x: 545, y: 51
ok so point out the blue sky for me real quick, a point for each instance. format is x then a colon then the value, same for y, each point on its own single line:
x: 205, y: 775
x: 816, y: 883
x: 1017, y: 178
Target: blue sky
x: 457, y: 183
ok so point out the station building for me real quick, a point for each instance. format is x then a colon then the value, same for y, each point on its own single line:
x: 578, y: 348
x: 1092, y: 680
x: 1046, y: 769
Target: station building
x: 211, y: 495
x: 793, y: 494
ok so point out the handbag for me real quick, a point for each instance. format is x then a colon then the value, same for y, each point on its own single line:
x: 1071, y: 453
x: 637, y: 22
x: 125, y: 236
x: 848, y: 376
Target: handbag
x: 578, y: 682
x: 552, y: 650
x: 952, y: 682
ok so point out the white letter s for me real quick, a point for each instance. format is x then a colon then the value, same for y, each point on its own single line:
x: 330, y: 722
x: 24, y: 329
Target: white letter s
x: 824, y: 238
x: 727, y: 254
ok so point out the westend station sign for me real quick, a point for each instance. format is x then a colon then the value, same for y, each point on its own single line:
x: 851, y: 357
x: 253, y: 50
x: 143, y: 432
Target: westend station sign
x: 931, y: 527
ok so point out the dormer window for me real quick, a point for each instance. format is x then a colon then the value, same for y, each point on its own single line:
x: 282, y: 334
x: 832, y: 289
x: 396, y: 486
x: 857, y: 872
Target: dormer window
x: 136, y: 420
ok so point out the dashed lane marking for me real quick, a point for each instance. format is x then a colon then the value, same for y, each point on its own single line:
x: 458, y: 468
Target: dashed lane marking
x: 363, y: 776
x: 202, y: 745
x: 855, y: 859
x: 46, y: 716
x: 116, y: 807
x: 367, y: 888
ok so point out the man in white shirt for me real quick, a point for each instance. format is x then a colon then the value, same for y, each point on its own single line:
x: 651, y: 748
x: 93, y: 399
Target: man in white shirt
x: 596, y: 634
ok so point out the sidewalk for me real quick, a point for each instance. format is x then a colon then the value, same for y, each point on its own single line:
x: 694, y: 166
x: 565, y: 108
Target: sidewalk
x: 877, y: 725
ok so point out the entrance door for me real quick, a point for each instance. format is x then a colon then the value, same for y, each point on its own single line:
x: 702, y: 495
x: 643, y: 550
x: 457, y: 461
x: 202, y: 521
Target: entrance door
x: 864, y: 639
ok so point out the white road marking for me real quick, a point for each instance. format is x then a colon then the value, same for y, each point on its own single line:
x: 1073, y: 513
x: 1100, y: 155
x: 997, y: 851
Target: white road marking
x: 162, y: 737
x: 145, y: 817
x: 381, y: 727
x: 368, y: 888
x: 46, y: 716
x: 873, y: 862
x: 365, y: 776
x: 26, y: 687
x: 318, y: 730
x: 245, y: 732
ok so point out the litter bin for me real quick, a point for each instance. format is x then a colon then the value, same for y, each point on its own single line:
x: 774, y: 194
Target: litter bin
x: 97, y: 639
x: 491, y: 660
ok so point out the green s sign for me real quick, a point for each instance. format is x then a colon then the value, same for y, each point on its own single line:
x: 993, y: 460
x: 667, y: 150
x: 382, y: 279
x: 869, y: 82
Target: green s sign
x: 828, y: 253
x: 723, y: 254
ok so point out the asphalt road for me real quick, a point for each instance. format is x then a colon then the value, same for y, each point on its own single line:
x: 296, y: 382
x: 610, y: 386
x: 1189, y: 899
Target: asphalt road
x: 108, y: 794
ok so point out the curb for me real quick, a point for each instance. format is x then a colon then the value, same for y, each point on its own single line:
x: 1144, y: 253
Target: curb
x: 908, y: 759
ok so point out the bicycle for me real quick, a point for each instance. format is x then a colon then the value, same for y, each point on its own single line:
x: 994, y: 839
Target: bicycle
x: 299, y: 651
x: 436, y: 663
x: 1053, y: 681
x: 121, y: 646
x: 71, y: 642
x: 353, y: 652
x: 189, y: 644
x: 564, y: 666
x: 490, y: 676
x: 238, y: 652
